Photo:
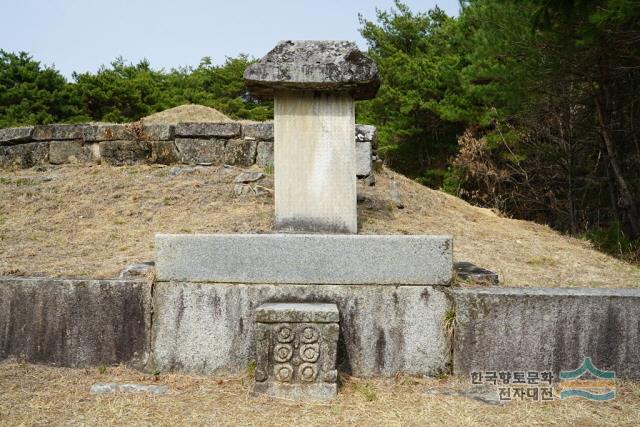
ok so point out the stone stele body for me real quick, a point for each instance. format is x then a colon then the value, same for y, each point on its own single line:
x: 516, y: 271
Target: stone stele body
x: 314, y: 85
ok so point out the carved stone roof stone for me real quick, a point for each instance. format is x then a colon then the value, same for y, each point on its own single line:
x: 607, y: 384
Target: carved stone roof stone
x: 314, y: 65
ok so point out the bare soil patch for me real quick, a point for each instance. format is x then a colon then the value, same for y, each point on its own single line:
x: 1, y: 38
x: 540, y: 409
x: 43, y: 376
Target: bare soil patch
x: 91, y: 221
x: 39, y: 395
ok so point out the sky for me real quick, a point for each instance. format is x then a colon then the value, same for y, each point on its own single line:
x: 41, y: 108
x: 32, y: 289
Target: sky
x: 75, y: 35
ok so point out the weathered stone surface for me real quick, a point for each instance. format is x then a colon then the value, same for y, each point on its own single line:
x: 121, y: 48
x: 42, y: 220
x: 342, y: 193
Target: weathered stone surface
x: 197, y: 151
x: 314, y: 65
x: 10, y: 136
x: 296, y: 347
x: 159, y: 131
x: 23, y: 155
x: 107, y: 132
x: 472, y: 273
x: 298, y: 313
x: 305, y: 258
x: 69, y: 151
x: 264, y: 154
x: 164, y: 152
x: 240, y: 152
x: 538, y: 329
x: 363, y: 158
x: 248, y: 176
x: 120, y: 153
x: 74, y: 322
x: 384, y: 330
x: 58, y: 132
x: 109, y: 388
x: 366, y: 133
x: 261, y: 131
x: 208, y: 130
x: 315, y: 181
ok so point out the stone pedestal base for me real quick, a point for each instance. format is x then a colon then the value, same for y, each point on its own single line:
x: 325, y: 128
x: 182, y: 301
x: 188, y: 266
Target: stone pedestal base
x: 296, y: 346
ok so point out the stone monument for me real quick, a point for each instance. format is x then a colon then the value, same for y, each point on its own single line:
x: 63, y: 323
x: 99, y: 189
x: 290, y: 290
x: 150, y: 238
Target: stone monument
x: 223, y: 300
x: 296, y: 346
x: 314, y: 85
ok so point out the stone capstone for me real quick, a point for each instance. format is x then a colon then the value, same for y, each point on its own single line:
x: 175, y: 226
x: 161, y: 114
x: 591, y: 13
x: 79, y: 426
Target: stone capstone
x: 10, y: 136
x: 107, y: 132
x: 261, y: 131
x: 305, y: 258
x: 58, y: 132
x: 208, y: 130
x: 159, y: 131
x: 296, y: 348
x: 314, y: 65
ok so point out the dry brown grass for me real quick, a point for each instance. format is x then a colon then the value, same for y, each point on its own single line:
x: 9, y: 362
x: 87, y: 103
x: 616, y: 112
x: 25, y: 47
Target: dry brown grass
x: 91, y: 221
x: 187, y: 113
x: 38, y: 395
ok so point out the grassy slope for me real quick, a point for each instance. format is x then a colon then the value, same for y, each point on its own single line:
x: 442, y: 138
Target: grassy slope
x: 90, y: 221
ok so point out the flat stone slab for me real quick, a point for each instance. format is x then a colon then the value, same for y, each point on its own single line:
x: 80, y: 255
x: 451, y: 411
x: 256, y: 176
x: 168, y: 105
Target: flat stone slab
x: 297, y: 312
x: 208, y: 130
x: 75, y: 323
x: 10, y: 136
x: 305, y: 258
x: 314, y: 65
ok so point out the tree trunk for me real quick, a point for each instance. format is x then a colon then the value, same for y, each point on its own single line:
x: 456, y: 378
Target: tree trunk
x: 626, y: 201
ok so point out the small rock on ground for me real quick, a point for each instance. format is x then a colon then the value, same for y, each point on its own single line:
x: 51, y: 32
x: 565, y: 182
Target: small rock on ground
x: 486, y: 393
x: 246, y: 177
x: 136, y: 270
x: 107, y: 388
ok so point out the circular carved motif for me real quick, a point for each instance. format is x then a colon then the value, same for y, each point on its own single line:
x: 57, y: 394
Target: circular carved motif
x: 282, y: 352
x: 308, y: 372
x: 309, y: 335
x: 309, y: 352
x: 283, y: 373
x: 285, y: 334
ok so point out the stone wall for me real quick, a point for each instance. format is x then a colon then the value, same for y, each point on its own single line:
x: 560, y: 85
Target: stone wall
x: 538, y: 329
x: 75, y: 322
x: 234, y: 143
x: 385, y: 330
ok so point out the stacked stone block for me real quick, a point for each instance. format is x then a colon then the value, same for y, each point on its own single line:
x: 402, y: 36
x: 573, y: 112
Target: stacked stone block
x: 233, y: 143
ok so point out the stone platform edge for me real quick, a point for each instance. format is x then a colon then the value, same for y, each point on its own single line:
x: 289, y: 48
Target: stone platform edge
x: 305, y: 259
